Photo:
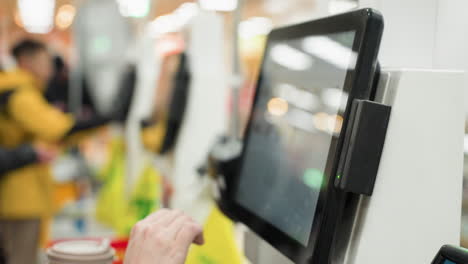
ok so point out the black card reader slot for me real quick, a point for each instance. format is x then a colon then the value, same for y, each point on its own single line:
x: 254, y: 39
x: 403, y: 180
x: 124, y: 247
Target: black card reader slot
x: 363, y: 146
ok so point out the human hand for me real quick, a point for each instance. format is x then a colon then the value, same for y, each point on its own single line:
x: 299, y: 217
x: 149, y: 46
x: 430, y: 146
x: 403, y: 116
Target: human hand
x: 168, y: 191
x: 163, y: 238
x: 45, y: 154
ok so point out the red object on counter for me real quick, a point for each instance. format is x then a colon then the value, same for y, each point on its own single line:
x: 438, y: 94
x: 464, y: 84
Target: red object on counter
x: 120, y: 246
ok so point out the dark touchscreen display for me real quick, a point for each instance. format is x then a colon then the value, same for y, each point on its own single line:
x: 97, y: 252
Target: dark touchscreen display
x: 297, y: 115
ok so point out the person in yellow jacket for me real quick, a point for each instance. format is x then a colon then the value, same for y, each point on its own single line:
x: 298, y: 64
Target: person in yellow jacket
x: 26, y: 194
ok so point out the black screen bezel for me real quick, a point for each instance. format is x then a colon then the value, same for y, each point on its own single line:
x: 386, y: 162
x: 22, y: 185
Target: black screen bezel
x: 368, y: 27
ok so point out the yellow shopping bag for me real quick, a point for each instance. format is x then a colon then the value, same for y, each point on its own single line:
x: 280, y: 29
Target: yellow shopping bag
x: 111, y: 203
x: 113, y: 209
x: 220, y: 245
x: 145, y: 199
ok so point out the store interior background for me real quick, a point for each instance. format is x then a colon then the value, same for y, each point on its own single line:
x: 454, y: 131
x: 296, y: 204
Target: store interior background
x: 258, y: 17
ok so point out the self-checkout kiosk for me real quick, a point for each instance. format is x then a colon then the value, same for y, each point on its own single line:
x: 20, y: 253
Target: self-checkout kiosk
x: 387, y: 189
x: 100, y: 47
x: 206, y: 114
x: 415, y: 208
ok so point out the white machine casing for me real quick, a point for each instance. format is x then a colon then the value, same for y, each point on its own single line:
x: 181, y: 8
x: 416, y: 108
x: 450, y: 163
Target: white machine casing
x: 206, y: 114
x: 417, y: 200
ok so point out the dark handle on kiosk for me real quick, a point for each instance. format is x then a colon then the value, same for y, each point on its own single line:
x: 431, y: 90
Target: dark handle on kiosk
x: 363, y: 146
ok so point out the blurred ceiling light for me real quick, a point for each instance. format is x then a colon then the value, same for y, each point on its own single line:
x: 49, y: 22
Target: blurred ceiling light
x: 255, y: 26
x: 301, y: 119
x: 276, y: 6
x: 163, y: 24
x: 300, y: 98
x: 277, y: 106
x: 290, y: 57
x: 218, y: 5
x: 186, y: 11
x: 321, y: 121
x: 341, y: 6
x: 173, y: 22
x: 285, y: 88
x: 134, y: 8
x: 37, y: 16
x: 335, y: 123
x: 335, y: 98
x: 330, y: 51
x: 65, y: 16
x: 305, y: 100
x: 17, y: 19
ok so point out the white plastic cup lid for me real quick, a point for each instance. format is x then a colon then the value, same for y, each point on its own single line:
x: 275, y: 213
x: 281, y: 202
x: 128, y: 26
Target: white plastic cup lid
x: 81, y: 247
x: 81, y: 250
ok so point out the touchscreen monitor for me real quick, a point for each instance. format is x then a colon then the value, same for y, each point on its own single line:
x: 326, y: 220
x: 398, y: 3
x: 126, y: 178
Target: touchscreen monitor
x: 311, y: 72
x: 297, y: 115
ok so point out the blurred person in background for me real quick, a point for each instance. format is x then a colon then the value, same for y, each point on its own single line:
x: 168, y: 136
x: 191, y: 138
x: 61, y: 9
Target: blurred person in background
x: 26, y: 194
x: 22, y: 156
x: 58, y: 90
x: 12, y: 159
x: 160, y: 133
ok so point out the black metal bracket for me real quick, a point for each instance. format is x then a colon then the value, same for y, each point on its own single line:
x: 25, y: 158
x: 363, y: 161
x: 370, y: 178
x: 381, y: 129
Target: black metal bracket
x: 363, y: 145
x: 222, y: 165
